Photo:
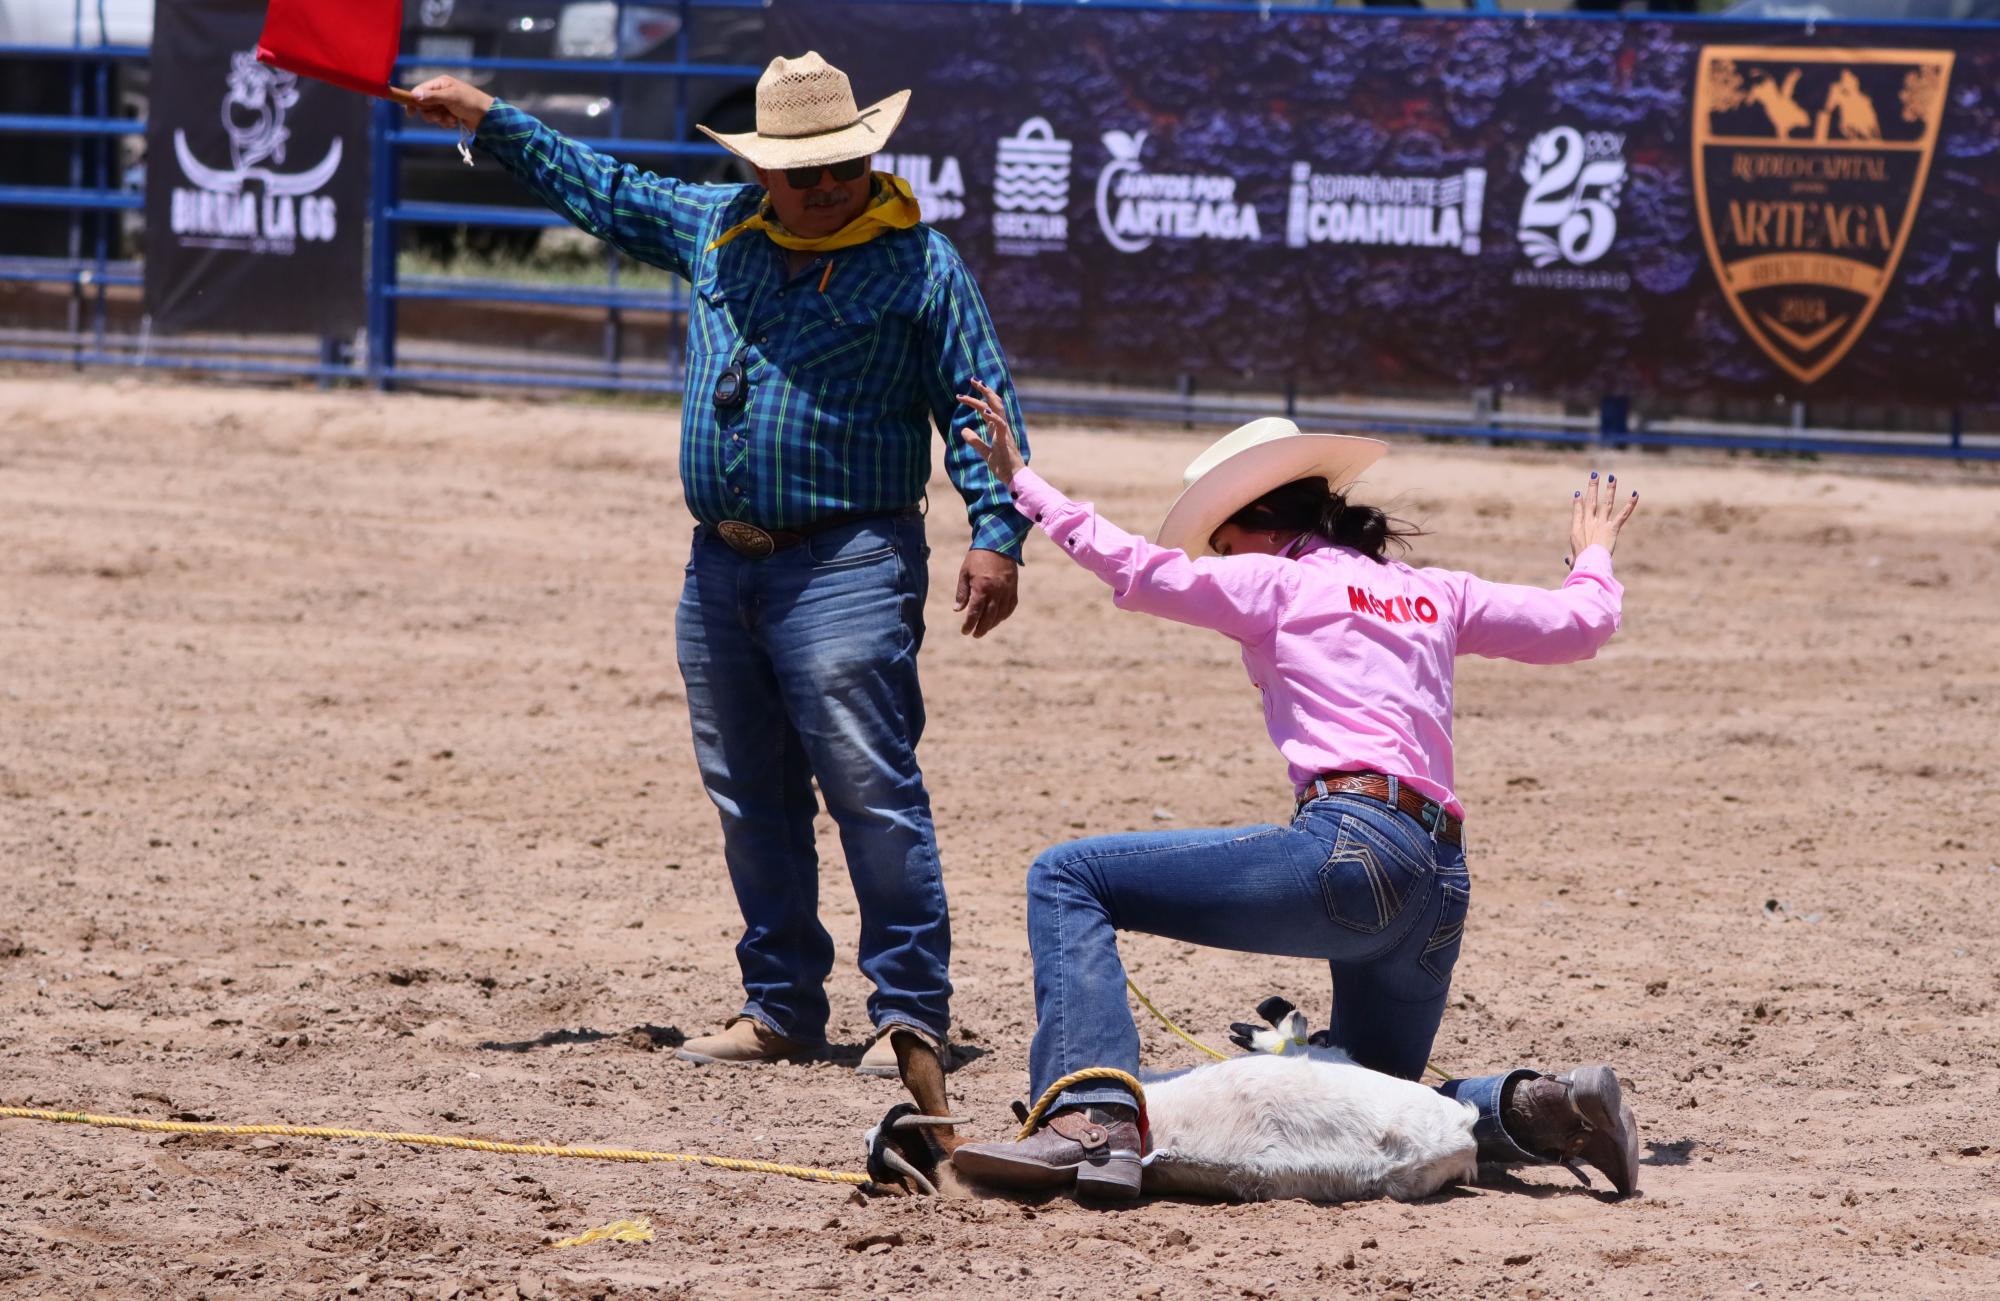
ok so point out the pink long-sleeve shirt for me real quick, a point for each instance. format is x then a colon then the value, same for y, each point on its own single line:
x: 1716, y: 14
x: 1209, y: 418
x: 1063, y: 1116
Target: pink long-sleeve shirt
x: 1353, y: 657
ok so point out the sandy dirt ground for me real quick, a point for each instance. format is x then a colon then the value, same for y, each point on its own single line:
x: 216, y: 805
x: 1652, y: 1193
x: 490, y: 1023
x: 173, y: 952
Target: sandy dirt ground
x: 344, y: 780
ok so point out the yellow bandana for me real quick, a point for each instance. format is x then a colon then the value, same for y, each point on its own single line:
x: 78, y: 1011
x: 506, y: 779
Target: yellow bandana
x: 892, y: 207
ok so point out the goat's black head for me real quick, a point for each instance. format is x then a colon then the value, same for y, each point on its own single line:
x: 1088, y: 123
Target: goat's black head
x: 903, y: 1152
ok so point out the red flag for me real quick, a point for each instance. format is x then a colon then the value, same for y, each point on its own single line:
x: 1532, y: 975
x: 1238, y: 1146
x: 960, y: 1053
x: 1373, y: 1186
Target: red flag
x: 350, y: 43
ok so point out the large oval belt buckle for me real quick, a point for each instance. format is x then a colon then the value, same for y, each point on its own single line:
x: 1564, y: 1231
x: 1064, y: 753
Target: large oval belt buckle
x: 746, y: 539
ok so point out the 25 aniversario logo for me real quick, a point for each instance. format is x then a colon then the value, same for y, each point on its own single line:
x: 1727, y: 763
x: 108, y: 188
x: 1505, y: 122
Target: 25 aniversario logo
x: 1569, y: 216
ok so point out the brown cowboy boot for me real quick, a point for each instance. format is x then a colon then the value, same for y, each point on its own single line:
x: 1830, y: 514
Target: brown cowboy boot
x: 1094, y: 1148
x: 742, y: 1042
x: 1578, y: 1116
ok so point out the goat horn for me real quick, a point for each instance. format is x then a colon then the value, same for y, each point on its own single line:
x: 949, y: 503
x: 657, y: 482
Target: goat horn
x: 916, y: 1122
x: 901, y: 1165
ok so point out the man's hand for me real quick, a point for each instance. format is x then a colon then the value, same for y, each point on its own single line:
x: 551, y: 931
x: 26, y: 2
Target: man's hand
x: 449, y: 102
x: 988, y: 588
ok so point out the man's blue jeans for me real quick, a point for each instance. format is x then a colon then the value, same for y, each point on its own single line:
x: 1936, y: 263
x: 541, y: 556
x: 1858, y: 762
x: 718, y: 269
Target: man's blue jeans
x: 1351, y: 880
x: 802, y: 666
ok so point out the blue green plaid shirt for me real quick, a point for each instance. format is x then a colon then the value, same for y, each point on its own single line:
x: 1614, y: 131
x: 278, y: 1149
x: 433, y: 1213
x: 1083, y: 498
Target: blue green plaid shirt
x: 849, y: 364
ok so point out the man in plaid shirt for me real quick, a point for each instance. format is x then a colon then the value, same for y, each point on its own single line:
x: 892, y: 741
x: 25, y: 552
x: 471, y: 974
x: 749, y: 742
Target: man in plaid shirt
x: 828, y: 332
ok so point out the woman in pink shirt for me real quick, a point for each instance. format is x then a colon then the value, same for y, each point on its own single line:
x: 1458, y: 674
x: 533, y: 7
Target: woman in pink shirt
x: 1353, y: 653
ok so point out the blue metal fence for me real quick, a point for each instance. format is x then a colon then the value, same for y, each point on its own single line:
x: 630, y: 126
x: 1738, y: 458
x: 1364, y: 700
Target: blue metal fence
x: 96, y: 197
x: 388, y: 211
x: 91, y: 197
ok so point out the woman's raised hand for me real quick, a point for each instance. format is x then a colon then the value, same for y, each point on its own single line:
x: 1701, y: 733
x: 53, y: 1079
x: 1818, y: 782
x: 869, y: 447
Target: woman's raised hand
x: 1595, y: 520
x: 1002, y: 453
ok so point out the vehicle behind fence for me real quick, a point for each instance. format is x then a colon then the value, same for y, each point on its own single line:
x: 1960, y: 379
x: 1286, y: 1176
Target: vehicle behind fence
x: 1486, y: 225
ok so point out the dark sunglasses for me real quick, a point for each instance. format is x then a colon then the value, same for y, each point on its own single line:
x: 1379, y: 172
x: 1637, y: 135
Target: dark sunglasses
x: 804, y: 178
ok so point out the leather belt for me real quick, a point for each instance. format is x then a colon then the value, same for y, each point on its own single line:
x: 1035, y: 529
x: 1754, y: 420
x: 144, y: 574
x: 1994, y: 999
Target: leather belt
x: 1387, y: 790
x: 753, y: 543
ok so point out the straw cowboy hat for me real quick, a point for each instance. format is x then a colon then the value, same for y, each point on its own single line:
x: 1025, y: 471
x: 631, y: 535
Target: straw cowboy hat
x: 806, y: 117
x: 1250, y: 462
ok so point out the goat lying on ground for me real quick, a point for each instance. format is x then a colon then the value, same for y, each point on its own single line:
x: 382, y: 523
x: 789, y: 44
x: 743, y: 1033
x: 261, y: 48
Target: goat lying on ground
x: 1308, y: 1123
x: 1311, y: 1124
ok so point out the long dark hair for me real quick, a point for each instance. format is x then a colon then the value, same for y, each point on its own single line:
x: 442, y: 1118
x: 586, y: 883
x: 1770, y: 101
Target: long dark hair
x: 1310, y: 506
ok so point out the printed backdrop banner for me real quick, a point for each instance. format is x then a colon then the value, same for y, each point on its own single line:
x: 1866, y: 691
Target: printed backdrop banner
x: 256, y: 184
x: 1574, y: 207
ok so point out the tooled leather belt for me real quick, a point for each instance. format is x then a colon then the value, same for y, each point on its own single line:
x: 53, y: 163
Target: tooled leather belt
x: 1375, y: 786
x: 753, y: 543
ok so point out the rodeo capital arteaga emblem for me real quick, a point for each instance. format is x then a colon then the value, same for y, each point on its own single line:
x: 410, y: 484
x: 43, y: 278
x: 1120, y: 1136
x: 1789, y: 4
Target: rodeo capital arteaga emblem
x: 1808, y: 166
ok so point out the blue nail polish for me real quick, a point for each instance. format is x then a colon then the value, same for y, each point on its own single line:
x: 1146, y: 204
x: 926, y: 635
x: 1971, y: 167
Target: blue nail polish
x: 1578, y: 493
x: 1593, y: 474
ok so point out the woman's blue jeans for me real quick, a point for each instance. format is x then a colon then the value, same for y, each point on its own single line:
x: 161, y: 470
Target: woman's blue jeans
x: 802, y: 667
x: 1352, y: 881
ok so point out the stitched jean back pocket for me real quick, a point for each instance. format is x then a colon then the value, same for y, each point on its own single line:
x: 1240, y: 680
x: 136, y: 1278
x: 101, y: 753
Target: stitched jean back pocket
x: 1374, y: 871
x: 1440, y: 953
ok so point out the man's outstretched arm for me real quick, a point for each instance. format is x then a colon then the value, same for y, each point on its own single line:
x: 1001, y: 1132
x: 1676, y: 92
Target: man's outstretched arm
x: 651, y: 218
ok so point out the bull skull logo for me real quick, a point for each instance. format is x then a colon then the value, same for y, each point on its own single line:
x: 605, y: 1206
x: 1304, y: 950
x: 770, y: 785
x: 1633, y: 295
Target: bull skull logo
x: 253, y: 112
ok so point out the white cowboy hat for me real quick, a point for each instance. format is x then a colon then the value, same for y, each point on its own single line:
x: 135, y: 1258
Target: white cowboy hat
x: 806, y: 117
x: 1250, y: 462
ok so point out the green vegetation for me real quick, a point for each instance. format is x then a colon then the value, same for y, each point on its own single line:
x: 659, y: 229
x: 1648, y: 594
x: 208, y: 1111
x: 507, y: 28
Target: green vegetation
x: 559, y: 257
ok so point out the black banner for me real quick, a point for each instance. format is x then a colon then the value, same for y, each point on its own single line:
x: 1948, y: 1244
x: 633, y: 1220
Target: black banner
x: 256, y: 184
x: 1569, y: 207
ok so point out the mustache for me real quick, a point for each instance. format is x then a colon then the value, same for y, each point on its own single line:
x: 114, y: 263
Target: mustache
x: 826, y: 198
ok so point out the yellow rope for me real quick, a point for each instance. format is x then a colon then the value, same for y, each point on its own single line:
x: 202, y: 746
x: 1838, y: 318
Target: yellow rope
x: 1147, y: 1003
x: 639, y: 1230
x: 1043, y: 1103
x: 435, y: 1140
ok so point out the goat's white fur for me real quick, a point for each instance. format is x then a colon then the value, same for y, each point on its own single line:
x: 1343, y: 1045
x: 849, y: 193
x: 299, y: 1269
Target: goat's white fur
x: 1309, y: 1124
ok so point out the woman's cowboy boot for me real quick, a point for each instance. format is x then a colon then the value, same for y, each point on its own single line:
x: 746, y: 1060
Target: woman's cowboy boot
x: 1094, y: 1148
x: 1578, y: 1116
